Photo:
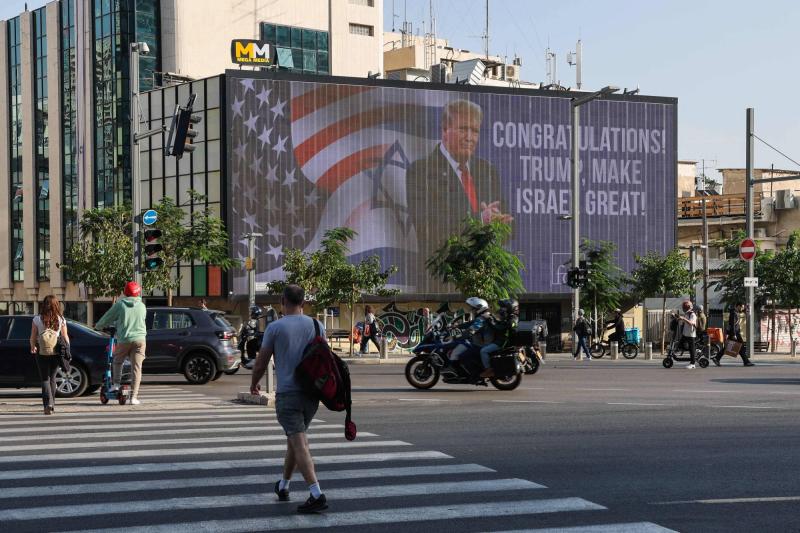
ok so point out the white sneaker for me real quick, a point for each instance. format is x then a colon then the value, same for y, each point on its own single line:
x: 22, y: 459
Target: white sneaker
x: 135, y: 401
x: 690, y: 366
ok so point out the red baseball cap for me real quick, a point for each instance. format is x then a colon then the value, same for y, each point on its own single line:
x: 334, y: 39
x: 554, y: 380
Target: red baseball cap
x: 133, y: 289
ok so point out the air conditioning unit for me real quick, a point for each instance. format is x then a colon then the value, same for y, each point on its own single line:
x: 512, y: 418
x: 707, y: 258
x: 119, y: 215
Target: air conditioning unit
x: 784, y: 199
x: 439, y: 73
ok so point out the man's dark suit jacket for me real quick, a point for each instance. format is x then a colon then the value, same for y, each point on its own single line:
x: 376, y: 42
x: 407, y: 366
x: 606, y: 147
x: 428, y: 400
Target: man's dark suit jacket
x: 437, y: 202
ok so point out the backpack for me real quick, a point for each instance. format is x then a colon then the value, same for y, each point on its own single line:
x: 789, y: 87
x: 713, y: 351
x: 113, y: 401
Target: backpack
x: 48, y: 340
x: 324, y: 376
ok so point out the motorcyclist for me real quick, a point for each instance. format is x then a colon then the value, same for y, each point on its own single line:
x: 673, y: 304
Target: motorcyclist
x: 617, y: 323
x: 503, y: 328
x: 476, y: 329
x: 248, y: 333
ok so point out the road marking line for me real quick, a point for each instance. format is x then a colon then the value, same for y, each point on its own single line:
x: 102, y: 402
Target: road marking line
x: 773, y: 499
x: 422, y: 400
x: 525, y: 401
x: 106, y: 427
x: 106, y: 435
x: 706, y: 391
x: 604, y: 389
x: 377, y: 516
x: 636, y: 403
x: 783, y: 392
x: 130, y: 454
x: 143, y: 468
x: 221, y: 501
x: 744, y: 407
x: 248, y: 483
x: 631, y: 527
x: 107, y: 443
x: 121, y: 419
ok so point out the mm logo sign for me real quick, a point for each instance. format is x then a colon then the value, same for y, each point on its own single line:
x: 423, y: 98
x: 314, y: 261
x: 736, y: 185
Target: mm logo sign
x: 251, y: 52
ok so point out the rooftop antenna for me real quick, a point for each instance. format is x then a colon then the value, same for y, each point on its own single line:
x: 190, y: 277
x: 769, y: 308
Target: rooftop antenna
x: 430, y: 39
x: 574, y: 59
x: 408, y: 28
x: 550, y: 62
x: 486, y: 32
x: 394, y: 16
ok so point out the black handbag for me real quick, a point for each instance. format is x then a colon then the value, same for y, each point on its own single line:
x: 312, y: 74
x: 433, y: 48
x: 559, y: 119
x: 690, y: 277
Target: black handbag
x: 65, y: 356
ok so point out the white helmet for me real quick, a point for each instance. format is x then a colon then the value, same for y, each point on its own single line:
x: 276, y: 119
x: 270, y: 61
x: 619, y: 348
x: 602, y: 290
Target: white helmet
x: 478, y: 305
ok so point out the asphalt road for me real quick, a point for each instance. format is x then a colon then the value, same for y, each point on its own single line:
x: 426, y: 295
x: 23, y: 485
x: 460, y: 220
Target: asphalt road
x: 612, y: 442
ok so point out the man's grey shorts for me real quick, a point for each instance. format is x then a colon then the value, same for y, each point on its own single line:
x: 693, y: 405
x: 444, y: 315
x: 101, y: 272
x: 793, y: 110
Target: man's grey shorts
x: 295, y: 410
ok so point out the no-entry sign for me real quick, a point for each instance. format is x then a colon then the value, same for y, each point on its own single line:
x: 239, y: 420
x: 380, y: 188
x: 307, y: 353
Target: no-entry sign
x: 747, y: 249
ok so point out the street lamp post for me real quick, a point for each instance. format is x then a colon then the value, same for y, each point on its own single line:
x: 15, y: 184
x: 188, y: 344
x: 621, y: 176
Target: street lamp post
x: 576, y: 103
x: 137, y: 49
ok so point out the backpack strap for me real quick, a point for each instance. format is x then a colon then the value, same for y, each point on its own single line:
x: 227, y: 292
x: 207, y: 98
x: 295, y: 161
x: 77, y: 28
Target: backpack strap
x: 316, y: 328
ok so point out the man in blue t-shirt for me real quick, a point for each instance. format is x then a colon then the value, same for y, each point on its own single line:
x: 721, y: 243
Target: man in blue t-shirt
x: 287, y: 339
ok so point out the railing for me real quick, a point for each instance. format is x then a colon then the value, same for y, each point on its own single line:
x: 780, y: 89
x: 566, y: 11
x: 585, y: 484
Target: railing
x: 723, y: 205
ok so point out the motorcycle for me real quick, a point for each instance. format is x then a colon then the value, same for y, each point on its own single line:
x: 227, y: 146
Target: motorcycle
x: 432, y: 360
x: 250, y: 337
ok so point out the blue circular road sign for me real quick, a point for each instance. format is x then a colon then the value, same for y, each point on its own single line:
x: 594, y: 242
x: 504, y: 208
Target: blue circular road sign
x: 149, y: 218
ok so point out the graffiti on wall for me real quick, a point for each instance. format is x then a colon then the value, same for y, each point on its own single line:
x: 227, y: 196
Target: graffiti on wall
x: 406, y: 328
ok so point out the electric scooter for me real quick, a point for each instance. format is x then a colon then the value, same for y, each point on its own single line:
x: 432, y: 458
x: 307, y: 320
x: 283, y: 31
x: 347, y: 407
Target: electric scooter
x: 107, y: 391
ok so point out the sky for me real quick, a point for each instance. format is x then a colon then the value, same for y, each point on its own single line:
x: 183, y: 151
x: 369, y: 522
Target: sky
x: 717, y: 57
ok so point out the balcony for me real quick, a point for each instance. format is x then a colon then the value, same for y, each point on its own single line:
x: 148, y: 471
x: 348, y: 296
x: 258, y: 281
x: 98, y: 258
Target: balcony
x: 724, y: 208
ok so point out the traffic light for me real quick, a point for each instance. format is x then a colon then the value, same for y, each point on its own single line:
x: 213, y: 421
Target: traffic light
x: 577, y: 277
x: 152, y: 249
x: 249, y: 263
x: 181, y: 131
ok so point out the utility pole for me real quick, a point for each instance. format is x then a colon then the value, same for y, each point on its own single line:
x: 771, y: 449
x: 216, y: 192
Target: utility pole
x: 705, y: 244
x: 250, y: 265
x: 136, y: 201
x: 751, y: 326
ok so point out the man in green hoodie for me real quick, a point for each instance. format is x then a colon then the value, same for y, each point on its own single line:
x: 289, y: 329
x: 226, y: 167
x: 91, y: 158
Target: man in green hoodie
x: 127, y: 316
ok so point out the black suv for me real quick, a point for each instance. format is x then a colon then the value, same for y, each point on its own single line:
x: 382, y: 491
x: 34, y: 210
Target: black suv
x: 199, y: 343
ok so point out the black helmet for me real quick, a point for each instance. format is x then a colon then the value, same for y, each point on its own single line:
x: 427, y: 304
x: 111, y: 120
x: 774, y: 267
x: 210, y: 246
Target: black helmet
x: 509, y: 307
x: 255, y: 312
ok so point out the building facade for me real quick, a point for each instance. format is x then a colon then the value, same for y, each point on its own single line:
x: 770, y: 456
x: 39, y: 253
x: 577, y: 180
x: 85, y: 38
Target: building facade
x: 65, y: 113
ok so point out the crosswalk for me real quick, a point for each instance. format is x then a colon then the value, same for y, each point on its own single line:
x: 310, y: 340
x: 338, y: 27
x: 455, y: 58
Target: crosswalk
x: 211, y: 466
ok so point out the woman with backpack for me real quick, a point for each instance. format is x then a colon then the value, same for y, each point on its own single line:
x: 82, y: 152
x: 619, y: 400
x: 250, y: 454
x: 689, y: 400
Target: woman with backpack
x: 370, y: 330
x: 48, y: 330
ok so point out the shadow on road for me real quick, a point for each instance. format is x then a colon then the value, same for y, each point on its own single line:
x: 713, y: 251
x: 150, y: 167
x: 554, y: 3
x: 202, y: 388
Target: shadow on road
x: 760, y: 381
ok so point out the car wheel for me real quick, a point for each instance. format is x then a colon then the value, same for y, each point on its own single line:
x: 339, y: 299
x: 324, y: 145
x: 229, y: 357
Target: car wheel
x: 72, y: 383
x: 199, y: 369
x: 217, y: 375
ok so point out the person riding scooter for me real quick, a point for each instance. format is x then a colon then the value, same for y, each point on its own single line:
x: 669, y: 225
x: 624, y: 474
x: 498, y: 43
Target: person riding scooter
x: 503, y: 328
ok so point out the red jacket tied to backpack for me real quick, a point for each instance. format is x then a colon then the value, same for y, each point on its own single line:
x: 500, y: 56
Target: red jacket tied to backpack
x: 324, y: 375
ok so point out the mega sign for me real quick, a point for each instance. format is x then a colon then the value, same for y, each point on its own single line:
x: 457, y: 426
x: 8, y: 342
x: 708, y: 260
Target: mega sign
x: 404, y: 166
x: 251, y: 52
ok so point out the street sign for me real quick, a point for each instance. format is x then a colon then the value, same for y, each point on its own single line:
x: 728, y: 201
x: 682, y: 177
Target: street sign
x: 751, y: 282
x: 747, y: 249
x: 150, y: 217
x: 261, y: 286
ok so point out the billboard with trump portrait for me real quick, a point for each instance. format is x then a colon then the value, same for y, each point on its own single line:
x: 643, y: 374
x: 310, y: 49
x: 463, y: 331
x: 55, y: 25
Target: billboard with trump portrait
x: 404, y: 164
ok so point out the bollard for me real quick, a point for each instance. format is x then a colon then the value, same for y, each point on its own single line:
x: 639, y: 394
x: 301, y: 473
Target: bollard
x: 794, y: 349
x: 648, y: 351
x: 614, y: 351
x: 271, y: 378
x: 382, y: 351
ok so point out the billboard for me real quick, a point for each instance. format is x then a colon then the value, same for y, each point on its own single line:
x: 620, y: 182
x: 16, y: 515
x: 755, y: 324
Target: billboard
x: 404, y: 164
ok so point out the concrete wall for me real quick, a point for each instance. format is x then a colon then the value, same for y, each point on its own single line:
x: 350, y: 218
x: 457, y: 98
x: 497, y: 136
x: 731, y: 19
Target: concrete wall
x: 733, y: 180
x: 686, y: 178
x: 220, y: 21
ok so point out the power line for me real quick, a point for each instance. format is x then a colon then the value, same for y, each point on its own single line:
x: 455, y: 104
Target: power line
x: 784, y: 155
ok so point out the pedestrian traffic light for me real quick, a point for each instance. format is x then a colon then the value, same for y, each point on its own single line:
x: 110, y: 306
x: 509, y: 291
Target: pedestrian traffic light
x: 249, y: 263
x: 152, y: 250
x: 181, y: 131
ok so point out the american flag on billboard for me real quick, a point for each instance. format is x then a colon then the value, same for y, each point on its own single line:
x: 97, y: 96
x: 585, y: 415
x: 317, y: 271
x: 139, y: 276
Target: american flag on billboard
x: 308, y: 157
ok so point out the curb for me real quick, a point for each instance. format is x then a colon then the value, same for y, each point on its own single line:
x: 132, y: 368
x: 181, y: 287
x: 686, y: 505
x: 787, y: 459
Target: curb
x: 375, y: 361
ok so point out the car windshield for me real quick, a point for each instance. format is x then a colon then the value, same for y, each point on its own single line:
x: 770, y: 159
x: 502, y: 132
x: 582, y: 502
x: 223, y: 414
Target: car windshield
x: 220, y: 320
x: 83, y: 328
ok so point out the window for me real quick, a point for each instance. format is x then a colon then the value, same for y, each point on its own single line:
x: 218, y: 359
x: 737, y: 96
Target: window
x: 298, y: 49
x: 367, y: 3
x: 362, y: 29
x: 14, y: 40
x: 171, y: 320
x: 20, y: 329
x: 42, y: 154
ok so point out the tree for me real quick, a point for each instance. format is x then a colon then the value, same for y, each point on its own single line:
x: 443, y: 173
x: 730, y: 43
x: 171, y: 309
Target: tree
x: 785, y: 270
x: 734, y: 270
x: 658, y: 275
x: 602, y: 291
x: 102, y: 258
x: 203, y: 238
x: 329, y: 278
x: 477, y: 263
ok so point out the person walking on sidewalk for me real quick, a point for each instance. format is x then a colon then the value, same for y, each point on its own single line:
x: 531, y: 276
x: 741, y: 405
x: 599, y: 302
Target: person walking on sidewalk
x: 736, y: 331
x: 49, y: 329
x: 286, y: 339
x: 581, y: 329
x: 370, y: 330
x: 128, y: 316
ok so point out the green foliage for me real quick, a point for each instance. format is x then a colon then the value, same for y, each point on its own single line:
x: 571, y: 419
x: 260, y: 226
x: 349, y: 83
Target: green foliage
x: 476, y: 262
x: 605, y: 279
x: 102, y: 257
x: 663, y: 276
x: 734, y: 270
x: 200, y: 238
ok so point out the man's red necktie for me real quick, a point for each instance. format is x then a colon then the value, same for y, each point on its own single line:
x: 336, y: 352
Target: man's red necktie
x: 469, y: 186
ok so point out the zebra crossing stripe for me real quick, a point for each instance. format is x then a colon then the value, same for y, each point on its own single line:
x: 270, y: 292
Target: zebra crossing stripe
x: 114, y: 409
x: 105, y: 435
x: 250, y: 482
x: 122, y: 417
x: 132, y: 454
x: 106, y: 444
x: 631, y: 527
x: 372, y: 517
x: 71, y: 428
x: 144, y: 468
x: 220, y: 501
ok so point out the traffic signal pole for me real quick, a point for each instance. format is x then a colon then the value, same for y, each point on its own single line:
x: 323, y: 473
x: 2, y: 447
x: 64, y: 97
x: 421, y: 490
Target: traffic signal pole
x: 751, y: 316
x: 136, y: 199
